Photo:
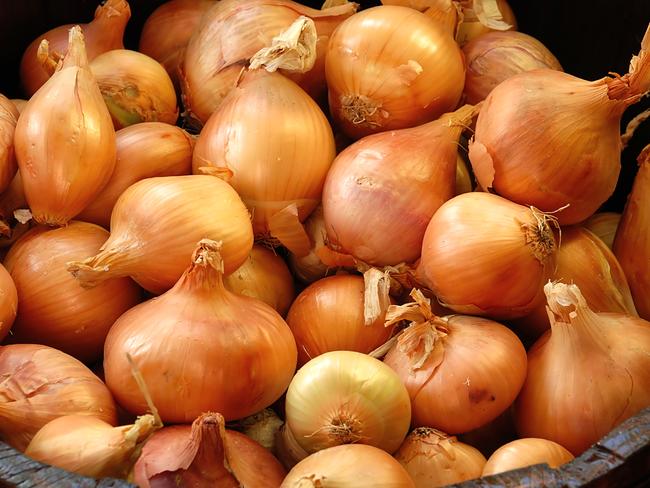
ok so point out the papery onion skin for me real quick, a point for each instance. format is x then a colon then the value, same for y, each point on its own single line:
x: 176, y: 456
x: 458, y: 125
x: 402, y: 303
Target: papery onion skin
x: 144, y: 150
x: 604, y: 225
x: 344, y: 397
x: 41, y: 384
x: 352, y: 466
x: 201, y: 347
x: 8, y: 119
x: 471, y: 27
x: 328, y: 316
x: 433, y: 459
x: 310, y: 268
x: 382, y: 77
x: 526, y: 452
x: 265, y: 276
x: 53, y: 309
x: 495, y: 56
x: 156, y: 224
x: 102, y: 34
x: 8, y: 302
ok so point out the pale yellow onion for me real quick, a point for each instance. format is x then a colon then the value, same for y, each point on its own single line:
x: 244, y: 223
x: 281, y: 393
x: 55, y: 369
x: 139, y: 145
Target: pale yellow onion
x: 404, y: 77
x: 349, y: 466
x: 8, y: 302
x: 604, y: 225
x: 65, y: 141
x: 526, y: 452
x: 346, y: 397
x: 39, y: 384
x: 8, y: 119
x: 265, y: 276
x: 156, y: 224
x: 494, y: 15
x: 143, y: 151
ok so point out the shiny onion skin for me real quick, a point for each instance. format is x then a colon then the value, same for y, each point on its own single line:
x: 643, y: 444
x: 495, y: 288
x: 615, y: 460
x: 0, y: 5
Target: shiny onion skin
x: 586, y: 375
x: 205, y: 454
x: 200, y: 347
x: 231, y: 32
x: 144, y: 150
x: 156, y: 224
x: 496, y: 56
x: 52, y: 308
x: 65, y: 141
x: 461, y: 372
x: 276, y: 142
x: 40, y: 384
x: 384, y: 77
x: 8, y: 120
x: 526, y: 452
x: 328, y: 316
x: 382, y: 191
x: 604, y: 225
x: 485, y: 255
x: 349, y: 466
x: 8, y: 302
x: 551, y: 140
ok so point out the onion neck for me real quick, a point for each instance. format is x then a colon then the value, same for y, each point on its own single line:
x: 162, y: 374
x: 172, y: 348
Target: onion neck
x: 452, y: 123
x: 631, y: 87
x: 206, y: 271
x: 109, y: 24
x: 76, y: 55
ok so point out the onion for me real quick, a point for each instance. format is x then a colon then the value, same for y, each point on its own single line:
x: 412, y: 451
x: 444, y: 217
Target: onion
x: 549, y: 139
x: 168, y: 29
x: 386, y: 187
x: 39, y: 384
x: 265, y: 276
x: 205, y: 454
x: 102, y: 34
x: 603, y: 225
x: 632, y: 243
x: 526, y: 452
x: 8, y: 302
x: 461, y: 372
x: 404, y: 77
x: 484, y: 255
x: 89, y: 446
x: 8, y: 119
x: 496, y: 56
x: 420, y: 5
x: 346, y: 397
x: 156, y: 224
x: 242, y: 353
x: 482, y: 16
x: 231, y: 32
x: 310, y: 268
x: 53, y: 309
x: 349, y: 466
x: 279, y: 176
x: 12, y: 200
x: 328, y: 316
x: 588, y: 374
x: 65, y: 141
x: 143, y: 151
x: 19, y: 103
x: 289, y: 452
x: 432, y: 458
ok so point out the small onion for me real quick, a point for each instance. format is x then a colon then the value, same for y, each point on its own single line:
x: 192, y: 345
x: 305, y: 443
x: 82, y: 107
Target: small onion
x: 526, y: 452
x: 604, y: 225
x: 8, y: 302
x: 8, y: 119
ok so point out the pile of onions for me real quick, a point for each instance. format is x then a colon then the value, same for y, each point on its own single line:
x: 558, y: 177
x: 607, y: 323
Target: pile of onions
x: 346, y: 397
x: 526, y: 452
x: 205, y: 454
x: 52, y: 308
x: 329, y: 316
x: 632, y: 243
x: 39, y: 384
x: 549, y: 139
x: 351, y: 466
x: 8, y: 302
x: 231, y: 32
x: 279, y: 176
x: 382, y: 191
x: 65, y: 141
x: 432, y: 458
x: 143, y: 151
x: 8, y: 119
x: 381, y: 76
x: 586, y: 375
x: 604, y: 225
x: 156, y: 224
x: 265, y: 276
x: 461, y: 372
x: 485, y: 255
x: 496, y: 56
x: 200, y: 347
x: 89, y: 446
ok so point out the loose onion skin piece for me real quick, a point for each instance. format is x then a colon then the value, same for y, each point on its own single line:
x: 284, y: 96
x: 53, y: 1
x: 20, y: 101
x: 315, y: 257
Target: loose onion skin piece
x: 242, y: 353
x: 40, y: 384
x: 8, y: 302
x: 8, y: 119
x: 382, y: 77
x: 53, y: 309
x: 526, y: 452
